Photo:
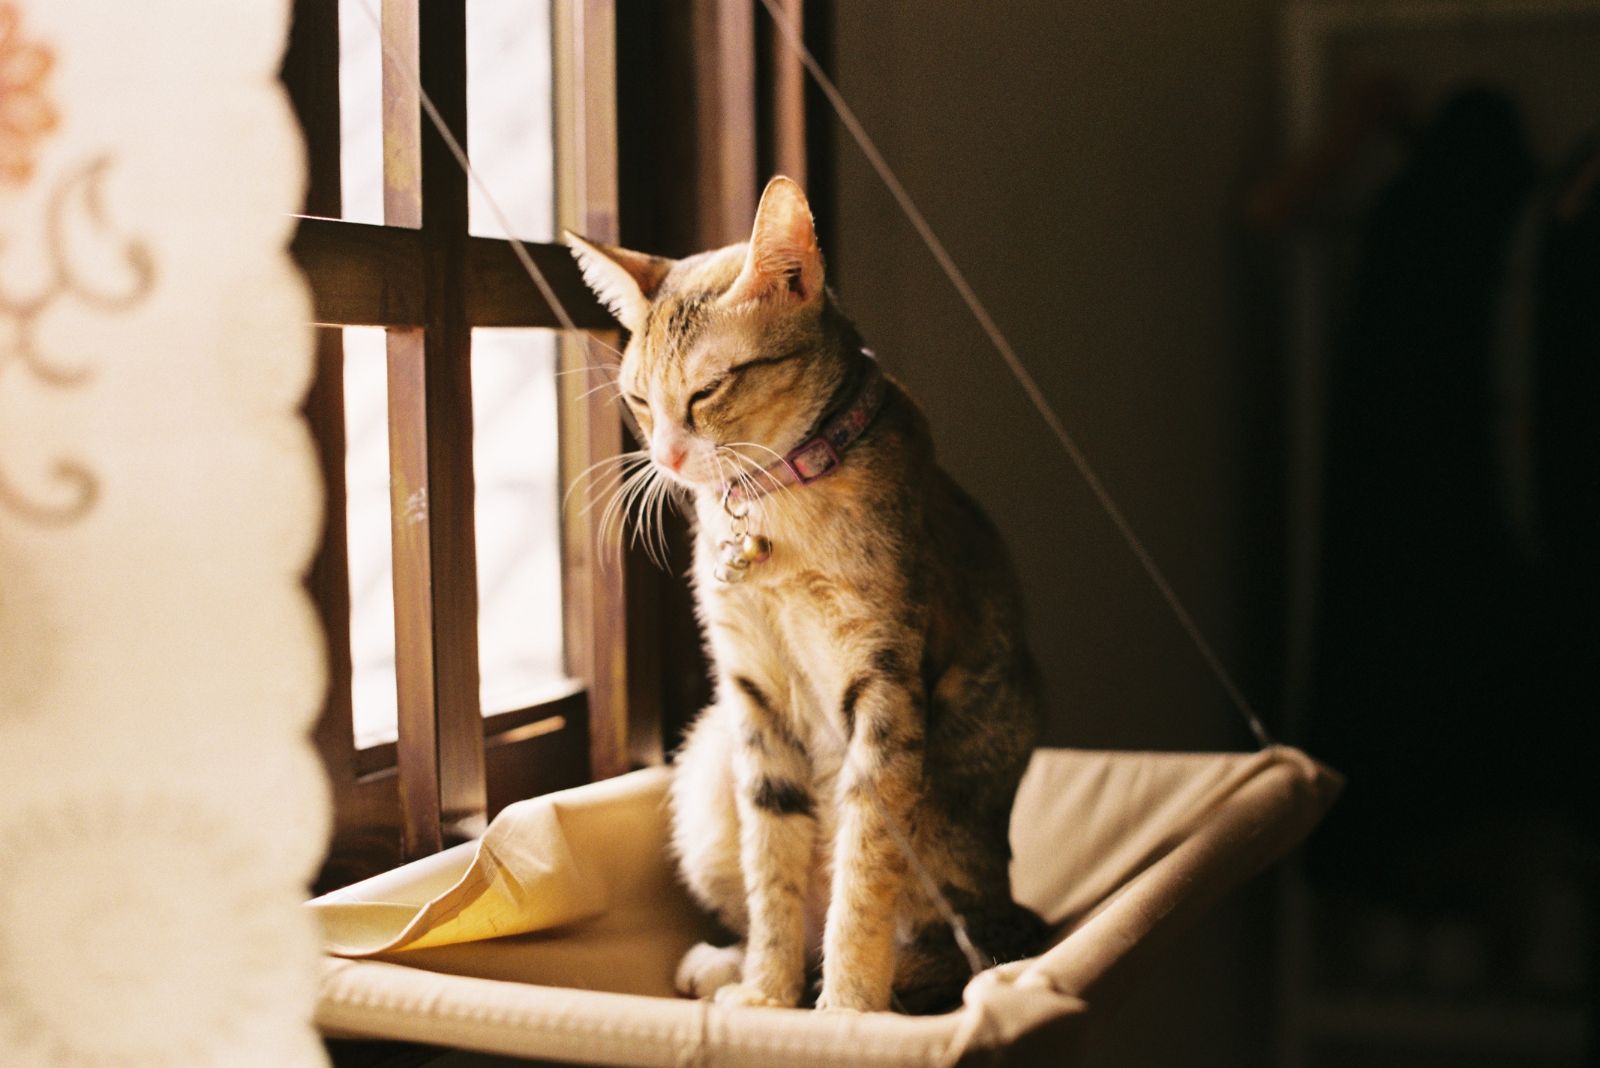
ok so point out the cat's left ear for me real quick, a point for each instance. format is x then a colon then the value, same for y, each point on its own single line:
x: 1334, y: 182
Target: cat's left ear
x: 624, y: 280
x: 784, y: 262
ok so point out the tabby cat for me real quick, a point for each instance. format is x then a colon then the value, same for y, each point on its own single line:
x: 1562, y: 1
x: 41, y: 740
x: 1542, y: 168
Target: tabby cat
x: 874, y: 696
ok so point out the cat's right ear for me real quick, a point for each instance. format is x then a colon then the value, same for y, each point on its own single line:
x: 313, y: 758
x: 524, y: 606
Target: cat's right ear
x: 783, y: 258
x: 624, y: 280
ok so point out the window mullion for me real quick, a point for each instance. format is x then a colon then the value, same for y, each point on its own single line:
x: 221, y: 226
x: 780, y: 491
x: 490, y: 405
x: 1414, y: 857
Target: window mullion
x: 500, y: 292
x: 402, y: 115
x: 786, y: 117
x: 440, y: 751
x: 362, y: 275
x: 411, y: 512
x: 595, y: 602
x: 724, y: 91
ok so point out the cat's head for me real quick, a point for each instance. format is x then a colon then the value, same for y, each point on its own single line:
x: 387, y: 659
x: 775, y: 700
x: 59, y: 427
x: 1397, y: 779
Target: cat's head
x: 735, y: 351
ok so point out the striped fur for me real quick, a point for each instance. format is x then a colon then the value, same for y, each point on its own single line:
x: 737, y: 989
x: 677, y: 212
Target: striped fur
x: 872, y: 671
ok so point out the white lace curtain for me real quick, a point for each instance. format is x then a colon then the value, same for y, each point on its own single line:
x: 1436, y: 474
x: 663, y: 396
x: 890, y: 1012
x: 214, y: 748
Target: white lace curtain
x: 160, y: 665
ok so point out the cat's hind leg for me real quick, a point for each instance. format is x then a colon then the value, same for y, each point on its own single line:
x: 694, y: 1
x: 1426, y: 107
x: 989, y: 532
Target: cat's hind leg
x: 744, y: 829
x: 705, y: 819
x: 931, y: 971
x: 705, y: 836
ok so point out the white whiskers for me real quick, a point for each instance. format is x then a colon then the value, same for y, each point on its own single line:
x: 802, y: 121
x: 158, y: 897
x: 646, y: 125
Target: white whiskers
x: 636, y: 493
x: 620, y: 461
x: 748, y: 471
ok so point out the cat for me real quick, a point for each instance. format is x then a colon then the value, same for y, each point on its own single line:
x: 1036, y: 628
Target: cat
x: 874, y: 694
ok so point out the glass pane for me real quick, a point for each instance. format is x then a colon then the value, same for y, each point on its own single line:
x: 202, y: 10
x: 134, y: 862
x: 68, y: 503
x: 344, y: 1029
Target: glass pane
x: 516, y: 465
x: 366, y: 414
x: 509, y: 118
x: 360, y: 111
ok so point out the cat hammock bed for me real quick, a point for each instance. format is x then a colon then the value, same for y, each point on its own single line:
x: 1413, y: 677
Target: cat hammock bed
x: 555, y: 936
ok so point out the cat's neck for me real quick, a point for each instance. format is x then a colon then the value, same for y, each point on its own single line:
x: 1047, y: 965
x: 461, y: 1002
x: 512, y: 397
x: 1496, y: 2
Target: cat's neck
x: 819, y: 451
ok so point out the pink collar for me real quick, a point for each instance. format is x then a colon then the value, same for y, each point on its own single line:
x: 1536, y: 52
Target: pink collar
x: 823, y: 452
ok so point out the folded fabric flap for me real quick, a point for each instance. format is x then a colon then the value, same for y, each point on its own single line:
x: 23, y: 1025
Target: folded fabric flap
x: 524, y: 876
x: 352, y: 928
x: 414, y: 884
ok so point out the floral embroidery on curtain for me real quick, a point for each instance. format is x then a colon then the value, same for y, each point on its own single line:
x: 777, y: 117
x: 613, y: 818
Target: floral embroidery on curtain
x: 160, y: 665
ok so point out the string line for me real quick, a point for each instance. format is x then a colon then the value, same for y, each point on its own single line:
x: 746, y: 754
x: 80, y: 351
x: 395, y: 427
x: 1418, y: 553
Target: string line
x: 1024, y: 378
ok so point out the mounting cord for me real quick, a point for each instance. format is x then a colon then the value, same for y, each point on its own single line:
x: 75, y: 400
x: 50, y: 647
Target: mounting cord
x: 1029, y: 386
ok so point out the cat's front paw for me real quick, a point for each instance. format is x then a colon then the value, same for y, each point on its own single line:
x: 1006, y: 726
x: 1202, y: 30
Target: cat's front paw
x: 705, y: 969
x: 825, y: 1005
x: 744, y: 994
x: 835, y: 999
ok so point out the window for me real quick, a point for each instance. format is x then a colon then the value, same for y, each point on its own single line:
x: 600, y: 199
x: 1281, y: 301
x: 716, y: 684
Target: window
x: 479, y: 647
x: 475, y: 639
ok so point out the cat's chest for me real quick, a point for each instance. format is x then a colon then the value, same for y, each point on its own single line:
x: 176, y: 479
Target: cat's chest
x: 808, y: 530
x: 785, y: 621
x: 784, y: 639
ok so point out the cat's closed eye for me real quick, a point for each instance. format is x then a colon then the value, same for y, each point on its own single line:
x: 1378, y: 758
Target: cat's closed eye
x: 707, y: 391
x: 704, y: 393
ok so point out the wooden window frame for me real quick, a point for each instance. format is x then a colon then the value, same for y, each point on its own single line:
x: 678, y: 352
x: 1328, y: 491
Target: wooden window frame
x: 422, y: 276
x: 429, y: 282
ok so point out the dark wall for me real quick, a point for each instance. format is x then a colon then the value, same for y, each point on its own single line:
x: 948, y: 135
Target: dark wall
x: 1084, y: 170
x: 1084, y: 163
x: 1087, y: 166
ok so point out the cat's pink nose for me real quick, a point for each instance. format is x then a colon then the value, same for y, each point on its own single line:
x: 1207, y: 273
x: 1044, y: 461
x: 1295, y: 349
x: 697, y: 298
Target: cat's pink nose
x: 671, y: 457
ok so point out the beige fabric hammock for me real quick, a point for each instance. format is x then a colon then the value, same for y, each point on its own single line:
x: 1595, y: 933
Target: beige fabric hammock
x: 556, y: 935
